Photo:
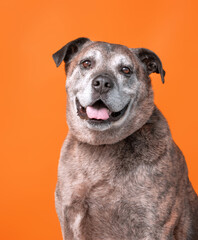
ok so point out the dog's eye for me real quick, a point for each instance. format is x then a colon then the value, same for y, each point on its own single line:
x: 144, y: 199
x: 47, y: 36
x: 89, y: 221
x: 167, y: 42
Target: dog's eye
x: 86, y: 63
x: 126, y: 70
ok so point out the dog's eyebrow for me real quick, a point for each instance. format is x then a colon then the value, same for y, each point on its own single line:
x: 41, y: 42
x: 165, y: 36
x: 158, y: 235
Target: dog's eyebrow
x: 121, y: 59
x: 92, y: 53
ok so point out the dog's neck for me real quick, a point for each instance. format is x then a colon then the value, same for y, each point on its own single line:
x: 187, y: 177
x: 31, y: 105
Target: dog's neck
x: 156, y: 126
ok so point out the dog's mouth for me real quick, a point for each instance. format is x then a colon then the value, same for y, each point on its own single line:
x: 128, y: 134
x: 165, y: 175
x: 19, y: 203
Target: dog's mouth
x: 98, y: 112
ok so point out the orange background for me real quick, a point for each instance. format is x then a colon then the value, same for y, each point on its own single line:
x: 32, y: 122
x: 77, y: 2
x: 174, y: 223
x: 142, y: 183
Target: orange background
x: 33, y: 91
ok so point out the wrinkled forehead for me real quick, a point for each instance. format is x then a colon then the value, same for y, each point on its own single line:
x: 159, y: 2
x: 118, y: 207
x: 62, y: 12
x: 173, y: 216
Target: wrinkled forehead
x: 108, y: 52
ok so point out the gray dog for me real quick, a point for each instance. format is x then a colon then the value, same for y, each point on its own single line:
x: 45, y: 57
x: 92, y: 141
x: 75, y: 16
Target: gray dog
x: 120, y: 176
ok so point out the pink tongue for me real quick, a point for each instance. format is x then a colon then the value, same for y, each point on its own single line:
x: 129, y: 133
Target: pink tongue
x: 102, y: 113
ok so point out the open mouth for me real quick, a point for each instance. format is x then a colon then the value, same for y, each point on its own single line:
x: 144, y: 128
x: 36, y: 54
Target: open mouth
x: 99, y: 112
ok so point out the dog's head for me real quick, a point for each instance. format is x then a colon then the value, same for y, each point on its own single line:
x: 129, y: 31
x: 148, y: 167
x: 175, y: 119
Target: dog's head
x: 109, y: 93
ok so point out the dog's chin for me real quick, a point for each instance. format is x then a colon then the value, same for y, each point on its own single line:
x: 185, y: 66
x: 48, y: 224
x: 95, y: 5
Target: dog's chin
x: 112, y: 119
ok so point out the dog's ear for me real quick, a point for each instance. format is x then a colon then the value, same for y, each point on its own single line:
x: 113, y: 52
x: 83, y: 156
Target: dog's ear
x: 68, y: 51
x: 151, y: 60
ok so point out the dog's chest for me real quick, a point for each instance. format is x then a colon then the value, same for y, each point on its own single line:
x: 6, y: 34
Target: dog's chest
x: 103, y: 194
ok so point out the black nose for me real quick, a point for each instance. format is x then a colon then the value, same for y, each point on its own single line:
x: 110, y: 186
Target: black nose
x: 102, y: 84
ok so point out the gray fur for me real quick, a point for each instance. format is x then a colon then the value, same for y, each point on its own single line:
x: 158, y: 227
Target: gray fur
x: 123, y: 180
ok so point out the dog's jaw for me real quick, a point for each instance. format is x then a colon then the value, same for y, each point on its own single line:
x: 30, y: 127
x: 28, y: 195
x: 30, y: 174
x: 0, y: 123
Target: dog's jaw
x: 110, y: 132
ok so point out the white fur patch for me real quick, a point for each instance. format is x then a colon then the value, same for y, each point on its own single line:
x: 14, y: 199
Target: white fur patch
x: 85, y: 96
x: 118, y: 59
x: 76, y: 227
x: 93, y: 53
x: 123, y: 118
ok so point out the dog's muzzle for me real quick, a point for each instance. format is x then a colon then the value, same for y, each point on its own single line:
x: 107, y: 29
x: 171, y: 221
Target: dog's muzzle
x: 98, y: 112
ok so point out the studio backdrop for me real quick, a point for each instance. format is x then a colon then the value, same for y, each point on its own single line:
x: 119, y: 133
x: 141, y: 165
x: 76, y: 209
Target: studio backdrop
x: 33, y: 97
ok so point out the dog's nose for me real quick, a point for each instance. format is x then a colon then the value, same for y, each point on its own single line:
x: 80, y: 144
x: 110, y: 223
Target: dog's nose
x: 102, y: 84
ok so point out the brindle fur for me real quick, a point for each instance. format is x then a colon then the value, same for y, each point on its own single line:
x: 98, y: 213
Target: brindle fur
x: 124, y: 182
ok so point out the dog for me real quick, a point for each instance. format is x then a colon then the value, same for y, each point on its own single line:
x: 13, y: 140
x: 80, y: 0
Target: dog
x: 120, y: 175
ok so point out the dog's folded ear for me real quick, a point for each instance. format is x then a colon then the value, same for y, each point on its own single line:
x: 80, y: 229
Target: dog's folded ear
x: 151, y: 60
x: 68, y: 51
